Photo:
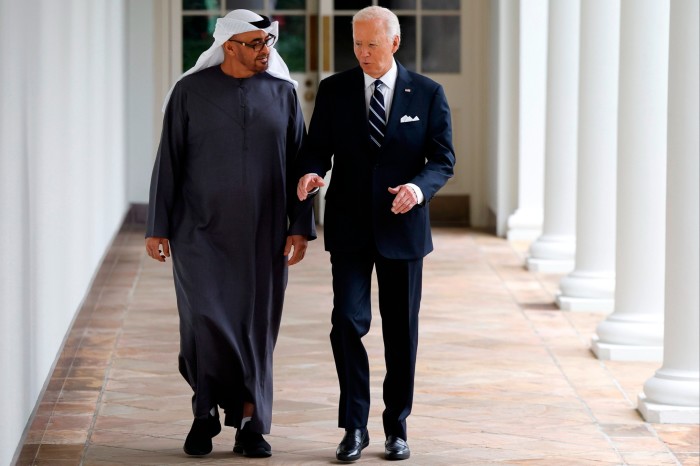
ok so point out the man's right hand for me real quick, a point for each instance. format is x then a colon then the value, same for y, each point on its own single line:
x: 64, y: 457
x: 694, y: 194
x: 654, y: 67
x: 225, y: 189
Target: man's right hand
x: 308, y: 183
x: 158, y: 248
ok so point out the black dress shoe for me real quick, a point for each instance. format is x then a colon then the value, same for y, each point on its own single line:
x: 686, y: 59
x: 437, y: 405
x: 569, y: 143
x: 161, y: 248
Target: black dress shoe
x: 198, y: 441
x: 396, y: 448
x: 251, y: 444
x: 354, y: 441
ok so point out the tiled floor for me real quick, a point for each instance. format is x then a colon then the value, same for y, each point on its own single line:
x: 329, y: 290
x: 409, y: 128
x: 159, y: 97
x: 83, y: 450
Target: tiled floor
x: 503, y: 376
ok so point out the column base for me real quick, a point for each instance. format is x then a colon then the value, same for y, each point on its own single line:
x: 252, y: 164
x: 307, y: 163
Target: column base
x: 613, y: 352
x: 627, y: 330
x: 587, y: 291
x: 569, y: 303
x: 525, y: 225
x: 549, y: 265
x: 667, y: 414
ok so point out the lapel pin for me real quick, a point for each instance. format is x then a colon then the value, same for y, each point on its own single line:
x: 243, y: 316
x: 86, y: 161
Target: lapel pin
x: 407, y: 90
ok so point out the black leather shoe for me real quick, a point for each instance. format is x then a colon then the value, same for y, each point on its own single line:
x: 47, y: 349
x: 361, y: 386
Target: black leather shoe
x: 354, y: 441
x: 251, y: 444
x: 396, y: 448
x: 198, y: 441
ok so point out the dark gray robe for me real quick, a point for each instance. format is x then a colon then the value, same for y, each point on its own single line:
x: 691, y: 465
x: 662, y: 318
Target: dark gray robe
x: 223, y: 193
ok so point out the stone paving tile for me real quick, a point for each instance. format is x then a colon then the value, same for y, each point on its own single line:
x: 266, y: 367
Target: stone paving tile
x: 503, y: 377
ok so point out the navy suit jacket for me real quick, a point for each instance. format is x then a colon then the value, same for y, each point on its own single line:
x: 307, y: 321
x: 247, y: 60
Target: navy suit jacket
x: 358, y: 203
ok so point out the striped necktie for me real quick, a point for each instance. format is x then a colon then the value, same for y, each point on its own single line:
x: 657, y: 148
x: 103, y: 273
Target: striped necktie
x: 377, y: 115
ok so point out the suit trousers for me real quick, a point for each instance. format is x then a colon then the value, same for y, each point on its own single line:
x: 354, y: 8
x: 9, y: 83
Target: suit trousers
x: 399, y: 285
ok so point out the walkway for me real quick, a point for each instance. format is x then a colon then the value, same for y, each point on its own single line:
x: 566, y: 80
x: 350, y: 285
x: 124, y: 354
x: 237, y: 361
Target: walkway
x: 503, y: 377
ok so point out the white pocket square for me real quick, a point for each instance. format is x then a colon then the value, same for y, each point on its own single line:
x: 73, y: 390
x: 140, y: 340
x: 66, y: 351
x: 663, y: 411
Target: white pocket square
x: 408, y: 119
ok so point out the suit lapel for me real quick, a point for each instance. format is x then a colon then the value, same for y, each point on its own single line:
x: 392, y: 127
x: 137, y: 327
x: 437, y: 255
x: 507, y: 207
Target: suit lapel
x: 357, y: 108
x: 403, y: 92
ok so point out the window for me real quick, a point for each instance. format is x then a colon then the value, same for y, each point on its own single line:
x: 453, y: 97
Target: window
x: 431, y: 26
x: 430, y: 31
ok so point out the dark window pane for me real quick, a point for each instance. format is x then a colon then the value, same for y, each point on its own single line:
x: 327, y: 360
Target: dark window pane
x: 441, y: 44
x: 350, y: 4
x: 406, y: 54
x: 197, y: 36
x: 398, y: 4
x: 289, y: 5
x: 441, y: 4
x: 342, y: 48
x: 200, y: 4
x: 254, y: 5
x: 292, y: 42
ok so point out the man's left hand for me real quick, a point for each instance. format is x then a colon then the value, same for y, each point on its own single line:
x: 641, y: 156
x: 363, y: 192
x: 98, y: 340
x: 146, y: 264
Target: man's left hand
x: 299, y: 244
x: 404, y: 200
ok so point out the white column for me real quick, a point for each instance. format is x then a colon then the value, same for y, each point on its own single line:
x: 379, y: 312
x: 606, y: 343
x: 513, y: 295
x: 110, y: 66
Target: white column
x: 672, y: 395
x: 591, y: 286
x: 503, y: 111
x: 526, y: 222
x: 554, y: 251
x: 634, y: 331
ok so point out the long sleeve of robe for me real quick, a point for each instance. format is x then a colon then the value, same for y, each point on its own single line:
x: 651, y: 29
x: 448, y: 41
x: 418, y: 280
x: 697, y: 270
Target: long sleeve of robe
x: 222, y: 192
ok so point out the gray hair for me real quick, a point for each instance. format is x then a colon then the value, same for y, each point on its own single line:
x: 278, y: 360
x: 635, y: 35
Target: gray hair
x: 393, y: 28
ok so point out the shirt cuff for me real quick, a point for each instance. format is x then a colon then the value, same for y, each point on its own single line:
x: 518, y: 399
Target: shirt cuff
x: 419, y: 193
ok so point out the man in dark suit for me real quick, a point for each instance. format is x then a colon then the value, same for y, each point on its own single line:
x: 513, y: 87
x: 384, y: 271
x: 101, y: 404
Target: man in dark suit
x: 389, y: 133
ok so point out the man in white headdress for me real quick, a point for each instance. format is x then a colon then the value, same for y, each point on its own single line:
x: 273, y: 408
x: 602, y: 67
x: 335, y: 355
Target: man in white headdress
x: 222, y: 201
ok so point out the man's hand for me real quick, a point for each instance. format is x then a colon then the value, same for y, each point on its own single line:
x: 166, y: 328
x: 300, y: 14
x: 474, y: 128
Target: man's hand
x: 299, y: 244
x: 153, y: 248
x: 404, y: 200
x: 308, y: 183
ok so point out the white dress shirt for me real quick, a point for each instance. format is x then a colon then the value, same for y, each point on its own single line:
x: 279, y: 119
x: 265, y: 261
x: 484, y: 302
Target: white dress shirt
x: 387, y: 90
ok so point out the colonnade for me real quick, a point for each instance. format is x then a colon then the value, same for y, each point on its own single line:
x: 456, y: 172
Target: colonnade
x: 620, y: 190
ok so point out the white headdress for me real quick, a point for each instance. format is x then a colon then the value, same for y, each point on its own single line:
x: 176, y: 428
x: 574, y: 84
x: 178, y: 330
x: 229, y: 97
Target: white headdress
x: 238, y: 22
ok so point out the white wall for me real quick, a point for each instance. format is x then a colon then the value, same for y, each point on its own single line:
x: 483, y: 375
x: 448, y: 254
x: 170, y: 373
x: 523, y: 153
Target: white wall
x: 141, y: 99
x: 467, y: 94
x: 62, y: 181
